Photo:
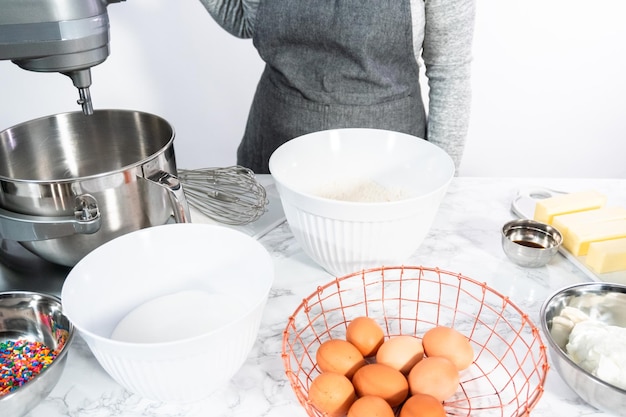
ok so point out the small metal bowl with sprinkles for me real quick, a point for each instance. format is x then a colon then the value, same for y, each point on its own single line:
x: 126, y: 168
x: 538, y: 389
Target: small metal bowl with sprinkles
x: 34, y: 339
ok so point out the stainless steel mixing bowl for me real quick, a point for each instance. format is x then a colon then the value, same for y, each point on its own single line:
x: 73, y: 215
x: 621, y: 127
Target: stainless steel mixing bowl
x: 38, y: 318
x: 602, y: 301
x: 71, y: 182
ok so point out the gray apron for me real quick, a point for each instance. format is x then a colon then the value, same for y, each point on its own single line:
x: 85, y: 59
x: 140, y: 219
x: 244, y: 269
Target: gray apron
x: 331, y: 64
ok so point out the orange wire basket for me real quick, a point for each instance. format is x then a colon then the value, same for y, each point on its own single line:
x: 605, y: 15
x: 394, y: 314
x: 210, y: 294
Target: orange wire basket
x: 510, y: 365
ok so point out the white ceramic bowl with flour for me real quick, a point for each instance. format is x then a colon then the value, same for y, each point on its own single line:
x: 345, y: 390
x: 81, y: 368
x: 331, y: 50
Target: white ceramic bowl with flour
x: 171, y: 312
x: 360, y: 198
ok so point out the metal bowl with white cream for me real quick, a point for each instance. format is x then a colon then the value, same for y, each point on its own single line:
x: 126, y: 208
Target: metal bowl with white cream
x: 585, y: 325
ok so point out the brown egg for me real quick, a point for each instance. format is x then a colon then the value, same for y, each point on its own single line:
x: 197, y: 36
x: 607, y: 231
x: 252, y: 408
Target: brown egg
x: 370, y: 406
x: 337, y: 355
x: 436, y: 376
x: 332, y: 393
x: 449, y: 343
x: 364, y: 333
x: 382, y: 381
x: 422, y: 405
x: 400, y: 353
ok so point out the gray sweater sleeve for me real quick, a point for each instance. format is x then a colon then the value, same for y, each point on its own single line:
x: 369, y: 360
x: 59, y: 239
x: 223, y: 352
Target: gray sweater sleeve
x: 447, y: 54
x: 237, y: 17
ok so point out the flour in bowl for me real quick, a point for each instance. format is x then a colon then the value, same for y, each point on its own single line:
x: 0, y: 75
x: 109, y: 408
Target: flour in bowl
x: 362, y: 190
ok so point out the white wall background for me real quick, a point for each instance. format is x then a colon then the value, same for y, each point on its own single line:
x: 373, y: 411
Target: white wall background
x: 548, y: 76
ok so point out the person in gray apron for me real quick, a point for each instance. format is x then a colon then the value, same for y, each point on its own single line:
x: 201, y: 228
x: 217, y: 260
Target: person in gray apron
x: 353, y: 63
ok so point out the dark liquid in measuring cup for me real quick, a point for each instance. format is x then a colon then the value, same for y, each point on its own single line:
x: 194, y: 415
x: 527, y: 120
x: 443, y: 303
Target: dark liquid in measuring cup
x: 529, y: 244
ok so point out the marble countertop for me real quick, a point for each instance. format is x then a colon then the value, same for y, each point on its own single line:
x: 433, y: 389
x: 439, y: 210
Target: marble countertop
x: 464, y: 238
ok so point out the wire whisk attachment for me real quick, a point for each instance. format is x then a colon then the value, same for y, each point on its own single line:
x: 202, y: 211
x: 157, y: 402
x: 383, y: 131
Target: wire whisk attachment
x: 230, y: 195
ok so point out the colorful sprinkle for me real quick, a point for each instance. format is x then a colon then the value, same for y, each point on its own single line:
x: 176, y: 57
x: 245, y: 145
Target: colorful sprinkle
x: 22, y: 360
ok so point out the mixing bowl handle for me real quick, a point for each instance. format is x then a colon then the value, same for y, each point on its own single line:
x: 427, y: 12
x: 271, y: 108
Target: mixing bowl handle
x: 175, y: 193
x: 24, y: 227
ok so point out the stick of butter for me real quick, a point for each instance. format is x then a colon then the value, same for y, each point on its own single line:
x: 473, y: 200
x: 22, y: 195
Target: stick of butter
x: 547, y: 208
x: 579, y: 237
x: 564, y: 222
x: 607, y: 256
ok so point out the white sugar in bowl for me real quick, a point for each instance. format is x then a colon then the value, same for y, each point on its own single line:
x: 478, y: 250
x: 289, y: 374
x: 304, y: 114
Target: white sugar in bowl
x: 171, y: 312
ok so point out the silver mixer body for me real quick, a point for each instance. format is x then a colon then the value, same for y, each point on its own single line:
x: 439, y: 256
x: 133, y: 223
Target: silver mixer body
x: 65, y: 36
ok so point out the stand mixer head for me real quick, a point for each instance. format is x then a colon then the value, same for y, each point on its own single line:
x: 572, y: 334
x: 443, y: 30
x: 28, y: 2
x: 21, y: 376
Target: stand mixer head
x: 66, y: 36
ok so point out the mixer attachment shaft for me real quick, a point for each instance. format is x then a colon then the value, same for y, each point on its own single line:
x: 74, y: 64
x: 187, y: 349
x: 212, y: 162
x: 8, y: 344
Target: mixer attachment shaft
x: 85, y: 100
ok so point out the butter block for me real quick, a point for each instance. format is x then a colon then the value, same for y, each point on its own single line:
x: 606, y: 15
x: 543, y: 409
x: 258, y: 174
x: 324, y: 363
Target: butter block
x: 564, y: 222
x: 546, y: 209
x: 579, y: 237
x: 607, y: 256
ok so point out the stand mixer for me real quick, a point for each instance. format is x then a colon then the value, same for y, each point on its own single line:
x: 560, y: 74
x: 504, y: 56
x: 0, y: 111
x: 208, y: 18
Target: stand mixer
x: 71, y: 182
x: 65, y: 36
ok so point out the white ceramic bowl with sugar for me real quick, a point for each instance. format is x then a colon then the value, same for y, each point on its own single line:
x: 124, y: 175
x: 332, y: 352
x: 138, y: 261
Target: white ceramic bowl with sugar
x: 113, y: 280
x: 315, y: 172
